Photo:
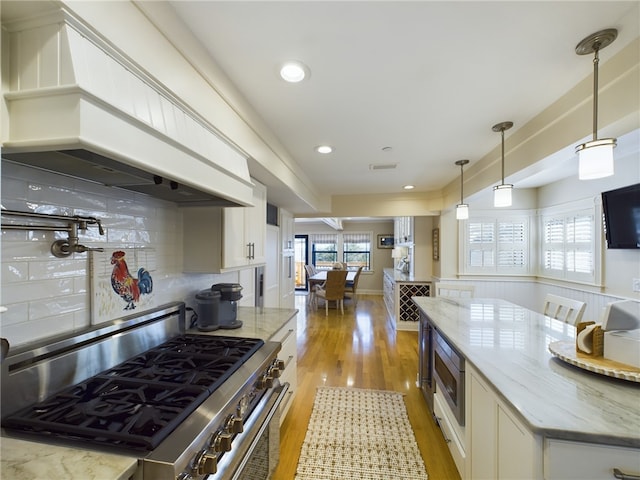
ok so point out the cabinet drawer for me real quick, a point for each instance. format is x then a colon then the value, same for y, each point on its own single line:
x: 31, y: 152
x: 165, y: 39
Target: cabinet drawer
x: 455, y: 445
x: 288, y: 351
x: 575, y: 460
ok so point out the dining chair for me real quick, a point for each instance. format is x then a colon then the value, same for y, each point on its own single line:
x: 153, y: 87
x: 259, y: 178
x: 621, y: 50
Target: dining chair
x: 351, y: 288
x: 333, y: 290
x: 564, y: 309
x: 311, y: 271
x: 460, y: 290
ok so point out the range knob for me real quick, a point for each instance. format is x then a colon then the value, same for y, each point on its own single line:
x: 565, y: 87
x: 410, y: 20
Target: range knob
x: 265, y: 381
x: 234, y: 424
x: 221, y: 442
x: 279, y: 364
x: 205, y: 463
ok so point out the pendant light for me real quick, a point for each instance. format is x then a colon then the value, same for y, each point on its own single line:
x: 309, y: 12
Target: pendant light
x: 502, y: 192
x: 462, y: 209
x: 595, y: 158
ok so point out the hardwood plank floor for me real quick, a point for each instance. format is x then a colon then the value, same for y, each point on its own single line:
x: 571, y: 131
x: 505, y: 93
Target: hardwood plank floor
x: 358, y: 349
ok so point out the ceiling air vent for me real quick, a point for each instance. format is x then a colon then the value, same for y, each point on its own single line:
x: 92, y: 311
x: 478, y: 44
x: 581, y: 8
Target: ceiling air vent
x: 383, y: 166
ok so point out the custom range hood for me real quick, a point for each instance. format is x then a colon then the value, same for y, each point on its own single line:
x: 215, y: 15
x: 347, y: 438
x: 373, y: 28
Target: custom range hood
x: 78, y: 106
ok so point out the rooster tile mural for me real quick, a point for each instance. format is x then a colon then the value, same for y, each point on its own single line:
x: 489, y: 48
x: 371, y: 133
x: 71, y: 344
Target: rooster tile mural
x: 121, y: 282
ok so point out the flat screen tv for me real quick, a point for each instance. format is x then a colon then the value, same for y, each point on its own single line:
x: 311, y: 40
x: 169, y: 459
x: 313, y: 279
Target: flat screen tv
x: 621, y: 208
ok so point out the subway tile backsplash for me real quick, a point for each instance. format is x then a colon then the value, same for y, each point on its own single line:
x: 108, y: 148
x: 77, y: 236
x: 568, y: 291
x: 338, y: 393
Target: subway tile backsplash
x: 48, y: 296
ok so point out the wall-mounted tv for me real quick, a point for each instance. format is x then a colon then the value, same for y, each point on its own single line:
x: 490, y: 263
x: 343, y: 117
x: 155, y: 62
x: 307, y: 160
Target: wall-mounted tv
x: 621, y: 208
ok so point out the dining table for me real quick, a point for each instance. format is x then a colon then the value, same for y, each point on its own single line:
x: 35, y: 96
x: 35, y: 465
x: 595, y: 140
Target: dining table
x: 321, y: 276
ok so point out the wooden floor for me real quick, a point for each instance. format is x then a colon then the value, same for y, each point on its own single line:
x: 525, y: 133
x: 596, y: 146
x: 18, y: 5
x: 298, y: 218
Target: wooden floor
x: 360, y: 349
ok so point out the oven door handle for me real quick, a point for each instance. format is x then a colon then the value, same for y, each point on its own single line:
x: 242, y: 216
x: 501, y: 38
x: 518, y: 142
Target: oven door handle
x: 279, y: 394
x: 236, y: 459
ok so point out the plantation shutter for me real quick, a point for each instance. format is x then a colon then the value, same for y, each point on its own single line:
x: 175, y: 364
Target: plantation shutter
x: 553, y: 254
x: 579, y: 249
x: 569, y: 246
x: 512, y: 244
x: 497, y: 245
x: 481, y: 239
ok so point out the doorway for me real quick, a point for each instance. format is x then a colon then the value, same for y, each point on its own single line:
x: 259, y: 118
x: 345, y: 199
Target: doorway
x: 301, y: 249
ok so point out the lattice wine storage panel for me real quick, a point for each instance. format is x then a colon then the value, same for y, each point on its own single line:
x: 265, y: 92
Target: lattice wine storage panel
x: 408, y: 310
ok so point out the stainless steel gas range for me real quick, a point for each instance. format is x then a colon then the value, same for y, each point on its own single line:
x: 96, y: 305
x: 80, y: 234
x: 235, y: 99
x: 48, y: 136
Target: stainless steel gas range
x: 187, y: 406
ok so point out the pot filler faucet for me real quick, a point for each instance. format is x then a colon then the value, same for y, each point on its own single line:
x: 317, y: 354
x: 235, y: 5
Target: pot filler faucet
x: 64, y: 247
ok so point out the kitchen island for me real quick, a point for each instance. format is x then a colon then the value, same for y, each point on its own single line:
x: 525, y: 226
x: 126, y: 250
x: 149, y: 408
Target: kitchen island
x: 568, y: 422
x: 24, y: 459
x: 398, y: 288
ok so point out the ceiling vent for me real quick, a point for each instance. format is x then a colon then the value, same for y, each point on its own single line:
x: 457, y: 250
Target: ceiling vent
x: 383, y: 166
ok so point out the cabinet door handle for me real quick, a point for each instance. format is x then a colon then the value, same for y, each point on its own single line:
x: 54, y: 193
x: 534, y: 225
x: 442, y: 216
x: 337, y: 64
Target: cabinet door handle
x: 289, y: 333
x: 617, y: 473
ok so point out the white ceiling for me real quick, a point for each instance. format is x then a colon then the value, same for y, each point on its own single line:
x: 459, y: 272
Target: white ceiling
x: 428, y: 79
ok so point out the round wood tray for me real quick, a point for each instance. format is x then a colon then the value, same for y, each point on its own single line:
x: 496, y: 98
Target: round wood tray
x: 566, y: 351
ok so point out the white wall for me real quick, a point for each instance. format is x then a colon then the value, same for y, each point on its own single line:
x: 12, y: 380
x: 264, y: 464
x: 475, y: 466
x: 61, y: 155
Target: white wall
x: 46, y: 295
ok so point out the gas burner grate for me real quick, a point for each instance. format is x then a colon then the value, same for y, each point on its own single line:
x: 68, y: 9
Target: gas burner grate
x: 139, y: 402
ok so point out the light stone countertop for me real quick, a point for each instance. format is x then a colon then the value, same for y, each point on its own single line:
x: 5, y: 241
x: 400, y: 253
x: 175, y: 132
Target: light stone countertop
x: 257, y: 322
x: 508, y: 345
x: 400, y: 277
x: 25, y: 460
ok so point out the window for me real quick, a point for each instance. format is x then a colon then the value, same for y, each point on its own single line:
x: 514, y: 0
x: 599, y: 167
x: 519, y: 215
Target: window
x: 568, y: 246
x: 324, y: 250
x: 353, y: 248
x: 497, y: 245
x: 356, y: 250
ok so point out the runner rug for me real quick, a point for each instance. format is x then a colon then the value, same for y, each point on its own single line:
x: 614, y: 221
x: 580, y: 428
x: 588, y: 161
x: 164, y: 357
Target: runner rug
x: 359, y: 434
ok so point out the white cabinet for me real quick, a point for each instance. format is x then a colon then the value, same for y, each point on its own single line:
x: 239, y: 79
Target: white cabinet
x: 288, y: 353
x: 287, y: 261
x: 565, y: 460
x: 287, y: 282
x: 453, y: 433
x: 500, y: 446
x: 221, y: 239
x: 403, y: 230
x: 389, y: 296
x: 244, y: 232
x: 287, y: 232
x: 483, y: 432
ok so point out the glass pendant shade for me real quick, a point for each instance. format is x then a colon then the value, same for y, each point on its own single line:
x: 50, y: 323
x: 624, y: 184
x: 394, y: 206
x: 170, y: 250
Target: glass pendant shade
x: 502, y: 195
x: 595, y: 159
x: 462, y: 211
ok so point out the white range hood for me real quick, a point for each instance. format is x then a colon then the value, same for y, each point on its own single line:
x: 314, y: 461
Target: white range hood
x: 78, y: 106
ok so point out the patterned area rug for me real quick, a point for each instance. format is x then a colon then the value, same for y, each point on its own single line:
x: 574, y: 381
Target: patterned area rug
x: 359, y: 434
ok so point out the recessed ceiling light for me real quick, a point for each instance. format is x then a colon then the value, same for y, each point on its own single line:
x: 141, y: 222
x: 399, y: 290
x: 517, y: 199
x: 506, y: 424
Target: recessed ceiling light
x: 294, y: 71
x: 409, y: 187
x: 324, y: 149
